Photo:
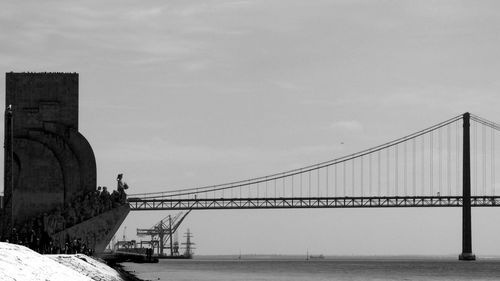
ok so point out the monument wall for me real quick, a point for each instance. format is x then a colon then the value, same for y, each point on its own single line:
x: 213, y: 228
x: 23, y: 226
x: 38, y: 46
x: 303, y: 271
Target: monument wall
x: 52, y: 162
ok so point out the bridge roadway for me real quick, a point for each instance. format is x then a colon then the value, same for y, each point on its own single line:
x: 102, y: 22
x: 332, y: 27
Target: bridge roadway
x: 138, y: 204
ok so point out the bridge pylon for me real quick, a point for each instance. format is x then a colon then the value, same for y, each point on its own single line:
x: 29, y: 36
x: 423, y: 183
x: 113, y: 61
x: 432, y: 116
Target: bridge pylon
x: 466, y: 254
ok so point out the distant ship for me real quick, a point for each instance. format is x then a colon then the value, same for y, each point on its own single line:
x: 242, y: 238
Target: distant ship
x: 311, y: 257
x: 188, y: 249
x: 188, y: 245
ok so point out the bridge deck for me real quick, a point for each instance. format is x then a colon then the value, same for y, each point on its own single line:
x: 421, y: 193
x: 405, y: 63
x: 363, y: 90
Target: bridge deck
x: 137, y: 204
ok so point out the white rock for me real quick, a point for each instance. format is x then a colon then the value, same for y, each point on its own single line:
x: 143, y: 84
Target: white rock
x: 20, y: 263
x: 88, y: 266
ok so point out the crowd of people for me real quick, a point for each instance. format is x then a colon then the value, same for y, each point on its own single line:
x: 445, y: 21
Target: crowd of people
x: 36, y: 233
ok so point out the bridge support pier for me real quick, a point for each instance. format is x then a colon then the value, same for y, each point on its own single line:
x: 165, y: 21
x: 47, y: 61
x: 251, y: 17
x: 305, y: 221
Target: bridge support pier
x: 466, y: 254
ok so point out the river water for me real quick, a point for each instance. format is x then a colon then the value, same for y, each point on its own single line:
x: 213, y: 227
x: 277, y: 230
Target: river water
x: 338, y: 268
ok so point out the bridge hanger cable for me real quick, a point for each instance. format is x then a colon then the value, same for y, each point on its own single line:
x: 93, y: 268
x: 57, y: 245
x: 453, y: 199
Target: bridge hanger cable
x: 301, y: 170
x: 293, y: 172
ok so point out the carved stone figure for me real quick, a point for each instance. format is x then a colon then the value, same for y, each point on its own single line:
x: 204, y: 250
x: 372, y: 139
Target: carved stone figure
x: 59, y: 222
x: 106, y: 199
x: 121, y: 186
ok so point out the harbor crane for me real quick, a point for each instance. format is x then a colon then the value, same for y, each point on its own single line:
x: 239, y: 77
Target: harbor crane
x: 162, y: 233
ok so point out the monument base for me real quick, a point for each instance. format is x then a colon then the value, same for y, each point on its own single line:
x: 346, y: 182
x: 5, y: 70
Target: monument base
x: 467, y: 257
x: 96, y: 232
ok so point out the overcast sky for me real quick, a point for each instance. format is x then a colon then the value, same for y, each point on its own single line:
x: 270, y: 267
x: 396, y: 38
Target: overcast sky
x: 185, y: 93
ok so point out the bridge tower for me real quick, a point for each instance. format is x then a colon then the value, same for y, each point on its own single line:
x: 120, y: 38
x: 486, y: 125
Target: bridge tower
x: 466, y: 206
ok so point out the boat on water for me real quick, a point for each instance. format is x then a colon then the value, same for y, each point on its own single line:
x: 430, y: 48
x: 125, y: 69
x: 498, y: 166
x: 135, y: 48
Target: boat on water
x: 312, y: 257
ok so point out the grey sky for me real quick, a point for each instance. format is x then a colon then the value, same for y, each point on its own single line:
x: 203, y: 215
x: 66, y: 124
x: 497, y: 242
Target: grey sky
x: 185, y: 93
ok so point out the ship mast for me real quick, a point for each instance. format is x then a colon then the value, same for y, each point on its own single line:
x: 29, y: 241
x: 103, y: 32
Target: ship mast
x: 188, y: 245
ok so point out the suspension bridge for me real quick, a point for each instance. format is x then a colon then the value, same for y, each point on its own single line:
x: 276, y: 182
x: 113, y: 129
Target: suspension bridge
x: 450, y: 164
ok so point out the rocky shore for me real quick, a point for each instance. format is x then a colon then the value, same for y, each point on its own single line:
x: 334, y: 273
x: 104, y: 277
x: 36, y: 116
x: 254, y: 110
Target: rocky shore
x: 21, y: 263
x: 127, y: 276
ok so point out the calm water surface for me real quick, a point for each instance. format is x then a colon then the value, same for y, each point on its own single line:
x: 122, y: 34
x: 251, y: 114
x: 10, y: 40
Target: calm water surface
x: 273, y: 269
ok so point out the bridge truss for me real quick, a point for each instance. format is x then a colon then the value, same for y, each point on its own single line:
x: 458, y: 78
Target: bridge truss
x: 312, y: 202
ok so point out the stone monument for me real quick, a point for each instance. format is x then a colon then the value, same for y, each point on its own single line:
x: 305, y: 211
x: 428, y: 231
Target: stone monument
x: 48, y: 163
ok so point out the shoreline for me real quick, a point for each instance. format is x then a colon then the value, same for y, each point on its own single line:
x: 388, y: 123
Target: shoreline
x: 125, y: 274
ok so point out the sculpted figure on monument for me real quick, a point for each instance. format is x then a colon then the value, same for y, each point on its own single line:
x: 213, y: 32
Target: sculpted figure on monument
x: 70, y: 215
x: 39, y: 226
x: 121, y: 186
x: 119, y: 180
x: 51, y: 224
x: 58, y: 221
x: 77, y: 207
x: 45, y: 220
x: 87, y: 207
x: 115, y: 198
x: 94, y: 201
x: 105, y: 198
x: 37, y: 233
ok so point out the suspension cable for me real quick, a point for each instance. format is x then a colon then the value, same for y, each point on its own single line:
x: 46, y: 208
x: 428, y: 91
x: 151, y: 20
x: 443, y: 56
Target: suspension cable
x: 343, y: 159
